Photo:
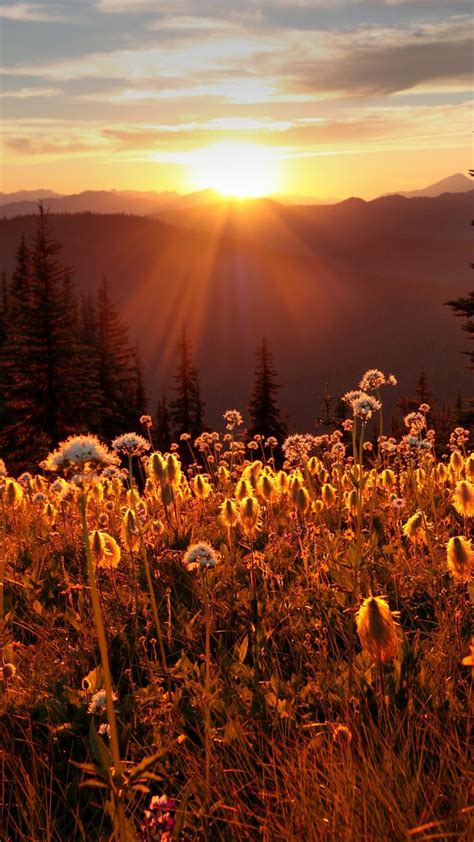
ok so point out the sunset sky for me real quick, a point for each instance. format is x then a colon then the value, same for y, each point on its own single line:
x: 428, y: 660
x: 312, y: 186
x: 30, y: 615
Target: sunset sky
x: 329, y: 97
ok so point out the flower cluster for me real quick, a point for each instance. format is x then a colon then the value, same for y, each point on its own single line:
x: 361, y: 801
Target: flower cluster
x: 159, y: 820
x: 200, y: 555
x: 98, y: 702
x: 363, y: 405
x: 298, y: 447
x: 78, y: 453
x: 373, y: 379
x: 233, y: 419
x: 130, y: 444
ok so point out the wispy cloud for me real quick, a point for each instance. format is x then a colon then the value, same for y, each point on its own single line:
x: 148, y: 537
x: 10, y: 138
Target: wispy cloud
x: 141, y: 80
x: 37, y: 12
x: 29, y: 93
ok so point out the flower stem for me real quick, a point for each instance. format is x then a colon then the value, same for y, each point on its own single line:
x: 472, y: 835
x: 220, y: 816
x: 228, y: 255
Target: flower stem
x: 146, y: 565
x: 104, y: 657
x: 207, y: 693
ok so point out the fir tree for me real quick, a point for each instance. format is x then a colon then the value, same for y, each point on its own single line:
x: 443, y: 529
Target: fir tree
x: 120, y: 386
x: 3, y: 309
x: 464, y: 309
x: 423, y: 394
x: 265, y: 414
x: 162, y: 433
x: 88, y: 352
x: 187, y: 409
x: 139, y: 399
x: 40, y: 364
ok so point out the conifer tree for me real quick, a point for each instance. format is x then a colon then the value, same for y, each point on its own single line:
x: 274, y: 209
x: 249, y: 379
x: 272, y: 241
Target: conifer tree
x: 265, y: 415
x: 3, y: 309
x: 139, y: 399
x: 423, y: 394
x: 162, y: 424
x: 120, y: 385
x: 89, y: 355
x: 187, y: 409
x: 40, y: 363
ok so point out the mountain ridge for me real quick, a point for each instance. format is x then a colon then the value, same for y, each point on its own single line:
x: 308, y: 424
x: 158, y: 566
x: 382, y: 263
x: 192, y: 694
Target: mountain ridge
x: 147, y: 202
x: 347, y: 303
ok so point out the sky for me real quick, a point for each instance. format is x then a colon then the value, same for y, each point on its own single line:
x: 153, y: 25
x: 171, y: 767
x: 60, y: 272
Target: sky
x: 341, y: 97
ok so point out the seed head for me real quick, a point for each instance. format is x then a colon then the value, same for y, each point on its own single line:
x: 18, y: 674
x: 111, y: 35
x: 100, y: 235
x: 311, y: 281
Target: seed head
x: 249, y: 512
x: 456, y: 462
x: 414, y: 529
x: 229, y: 513
x: 105, y: 550
x: 13, y: 493
x: 377, y: 629
x: 463, y: 498
x: 460, y: 558
x: 328, y: 494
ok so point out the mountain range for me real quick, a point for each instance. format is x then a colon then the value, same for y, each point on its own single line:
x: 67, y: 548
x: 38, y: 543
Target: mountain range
x: 144, y: 203
x: 335, y: 289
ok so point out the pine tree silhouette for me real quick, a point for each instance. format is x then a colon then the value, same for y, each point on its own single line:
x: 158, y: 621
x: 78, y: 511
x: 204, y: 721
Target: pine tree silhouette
x: 187, y: 409
x: 265, y: 414
x: 61, y: 371
x: 40, y: 362
x: 120, y: 378
x: 162, y: 424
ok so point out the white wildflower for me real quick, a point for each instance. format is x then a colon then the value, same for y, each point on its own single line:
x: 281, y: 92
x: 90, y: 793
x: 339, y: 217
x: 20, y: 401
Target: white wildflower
x: 130, y: 444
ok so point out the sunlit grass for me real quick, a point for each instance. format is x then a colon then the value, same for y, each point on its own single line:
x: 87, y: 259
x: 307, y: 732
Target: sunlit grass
x: 276, y: 646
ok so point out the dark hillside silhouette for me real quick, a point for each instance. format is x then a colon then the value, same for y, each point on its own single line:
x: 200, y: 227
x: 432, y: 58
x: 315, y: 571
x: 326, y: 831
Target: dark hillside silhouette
x: 328, y: 315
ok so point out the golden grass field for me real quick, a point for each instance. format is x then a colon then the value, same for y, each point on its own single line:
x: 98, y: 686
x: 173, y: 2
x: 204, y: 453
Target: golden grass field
x: 265, y: 651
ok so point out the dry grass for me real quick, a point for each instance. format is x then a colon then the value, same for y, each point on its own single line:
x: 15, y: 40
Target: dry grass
x: 309, y: 738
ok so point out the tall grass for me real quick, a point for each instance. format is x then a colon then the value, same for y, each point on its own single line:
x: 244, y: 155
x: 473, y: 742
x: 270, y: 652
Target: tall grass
x: 243, y: 689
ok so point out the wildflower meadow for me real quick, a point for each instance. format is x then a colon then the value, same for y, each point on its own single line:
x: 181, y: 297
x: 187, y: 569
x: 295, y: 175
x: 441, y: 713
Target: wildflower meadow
x: 240, y: 639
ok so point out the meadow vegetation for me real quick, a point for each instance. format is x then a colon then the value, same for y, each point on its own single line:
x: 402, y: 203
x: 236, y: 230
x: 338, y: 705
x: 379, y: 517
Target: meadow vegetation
x: 235, y: 640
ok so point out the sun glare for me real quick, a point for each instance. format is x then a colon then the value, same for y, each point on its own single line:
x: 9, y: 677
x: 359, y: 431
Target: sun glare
x: 234, y: 169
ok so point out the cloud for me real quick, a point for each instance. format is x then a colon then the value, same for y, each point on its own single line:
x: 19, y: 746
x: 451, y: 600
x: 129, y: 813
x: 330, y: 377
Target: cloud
x: 126, y: 7
x: 354, y: 129
x: 385, y: 70
x: 32, y: 12
x: 257, y: 66
x: 29, y: 93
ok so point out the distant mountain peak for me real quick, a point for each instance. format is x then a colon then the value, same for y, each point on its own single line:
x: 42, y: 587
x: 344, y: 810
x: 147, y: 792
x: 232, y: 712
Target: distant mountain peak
x: 457, y: 183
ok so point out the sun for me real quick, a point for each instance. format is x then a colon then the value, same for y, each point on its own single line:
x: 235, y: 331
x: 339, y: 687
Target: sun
x: 243, y: 170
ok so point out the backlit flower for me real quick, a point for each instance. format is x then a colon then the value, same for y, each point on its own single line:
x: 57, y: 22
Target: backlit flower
x: 377, y: 629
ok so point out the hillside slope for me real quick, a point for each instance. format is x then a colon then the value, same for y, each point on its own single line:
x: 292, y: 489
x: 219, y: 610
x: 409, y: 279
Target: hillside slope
x: 327, y: 316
